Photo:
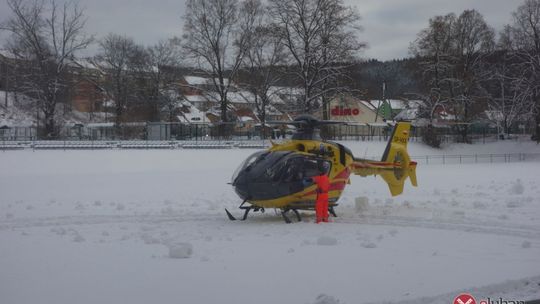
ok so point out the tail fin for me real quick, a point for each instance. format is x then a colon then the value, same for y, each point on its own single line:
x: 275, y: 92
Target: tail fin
x: 396, y: 165
x: 396, y: 153
x: 397, y: 144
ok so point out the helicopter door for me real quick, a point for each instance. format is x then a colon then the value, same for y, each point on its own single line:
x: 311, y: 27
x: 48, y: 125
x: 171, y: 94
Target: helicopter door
x: 292, y: 178
x: 311, y: 166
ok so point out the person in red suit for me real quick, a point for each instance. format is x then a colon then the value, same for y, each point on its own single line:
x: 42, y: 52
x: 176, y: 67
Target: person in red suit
x: 323, y: 186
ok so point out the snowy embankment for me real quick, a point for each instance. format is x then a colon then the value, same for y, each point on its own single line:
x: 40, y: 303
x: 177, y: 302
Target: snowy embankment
x: 149, y: 226
x: 20, y: 111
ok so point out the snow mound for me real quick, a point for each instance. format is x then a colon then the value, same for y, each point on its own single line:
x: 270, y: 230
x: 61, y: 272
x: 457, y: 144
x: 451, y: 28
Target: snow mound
x: 78, y: 238
x: 326, y: 299
x: 327, y: 241
x: 361, y: 204
x: 517, y: 187
x: 369, y: 245
x: 180, y: 251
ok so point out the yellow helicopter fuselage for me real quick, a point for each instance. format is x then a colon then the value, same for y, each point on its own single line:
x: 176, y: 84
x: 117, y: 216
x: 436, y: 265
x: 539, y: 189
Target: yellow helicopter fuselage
x: 338, y: 175
x: 280, y: 176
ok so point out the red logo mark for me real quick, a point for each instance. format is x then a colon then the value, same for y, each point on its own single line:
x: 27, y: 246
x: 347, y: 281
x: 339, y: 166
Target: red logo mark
x: 340, y: 111
x: 464, y: 299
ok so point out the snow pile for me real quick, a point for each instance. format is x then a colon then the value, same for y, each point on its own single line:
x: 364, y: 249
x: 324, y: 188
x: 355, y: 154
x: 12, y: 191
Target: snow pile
x: 327, y: 241
x: 361, y: 204
x: 180, y: 251
x: 326, y: 299
x: 517, y: 188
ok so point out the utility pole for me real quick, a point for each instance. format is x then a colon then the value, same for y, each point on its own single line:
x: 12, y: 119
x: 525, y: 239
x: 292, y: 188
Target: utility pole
x: 383, y: 99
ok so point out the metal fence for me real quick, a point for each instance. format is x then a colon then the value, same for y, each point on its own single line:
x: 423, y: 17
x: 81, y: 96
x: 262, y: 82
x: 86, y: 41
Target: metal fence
x: 442, y: 159
x: 178, y: 131
x: 476, y: 158
x: 129, y: 144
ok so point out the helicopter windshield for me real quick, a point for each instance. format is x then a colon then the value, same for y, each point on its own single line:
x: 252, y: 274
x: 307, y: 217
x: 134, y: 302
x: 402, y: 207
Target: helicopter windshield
x: 257, y: 156
x: 273, y: 166
x: 298, y: 168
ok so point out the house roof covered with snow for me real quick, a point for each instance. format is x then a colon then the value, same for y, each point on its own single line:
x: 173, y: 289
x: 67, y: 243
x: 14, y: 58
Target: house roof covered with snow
x: 395, y: 104
x: 200, y: 81
x: 190, y: 114
x: 196, y: 98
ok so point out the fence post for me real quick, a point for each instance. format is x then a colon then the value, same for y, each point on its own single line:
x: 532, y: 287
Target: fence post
x: 427, y: 159
x: 443, y: 159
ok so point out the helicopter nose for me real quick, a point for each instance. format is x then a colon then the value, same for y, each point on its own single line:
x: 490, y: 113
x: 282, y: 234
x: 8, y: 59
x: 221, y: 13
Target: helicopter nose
x: 241, y: 186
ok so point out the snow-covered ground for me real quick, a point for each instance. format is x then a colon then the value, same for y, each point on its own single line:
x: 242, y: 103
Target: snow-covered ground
x: 121, y: 226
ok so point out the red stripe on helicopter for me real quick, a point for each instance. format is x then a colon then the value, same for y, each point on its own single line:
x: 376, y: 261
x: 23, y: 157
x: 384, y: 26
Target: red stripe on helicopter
x: 337, y: 186
x: 344, y: 174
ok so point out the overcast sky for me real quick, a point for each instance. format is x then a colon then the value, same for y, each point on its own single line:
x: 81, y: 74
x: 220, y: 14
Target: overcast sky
x: 389, y: 25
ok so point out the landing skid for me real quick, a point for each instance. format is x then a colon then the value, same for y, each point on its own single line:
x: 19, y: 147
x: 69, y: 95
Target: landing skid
x: 332, y: 212
x: 286, y: 218
x: 284, y: 212
x: 246, y: 209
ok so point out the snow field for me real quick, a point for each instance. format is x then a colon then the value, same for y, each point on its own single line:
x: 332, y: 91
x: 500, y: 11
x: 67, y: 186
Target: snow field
x: 149, y: 226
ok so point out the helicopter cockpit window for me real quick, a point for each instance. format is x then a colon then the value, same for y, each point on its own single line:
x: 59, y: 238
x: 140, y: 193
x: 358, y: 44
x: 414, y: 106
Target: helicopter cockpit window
x: 253, y: 158
x: 311, y: 167
x: 274, y: 165
x: 294, y: 170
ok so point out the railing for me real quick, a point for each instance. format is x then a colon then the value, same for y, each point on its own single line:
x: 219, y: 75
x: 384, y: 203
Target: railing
x: 476, y: 158
x: 209, y: 144
x: 130, y: 144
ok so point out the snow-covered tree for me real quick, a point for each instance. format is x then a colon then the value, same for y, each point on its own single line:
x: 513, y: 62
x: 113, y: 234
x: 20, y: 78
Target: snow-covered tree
x: 161, y: 74
x: 434, y: 49
x: 119, y: 59
x: 263, y: 65
x: 217, y: 35
x: 45, y: 38
x: 321, y: 38
x: 506, y: 103
x: 455, y: 49
x: 526, y: 31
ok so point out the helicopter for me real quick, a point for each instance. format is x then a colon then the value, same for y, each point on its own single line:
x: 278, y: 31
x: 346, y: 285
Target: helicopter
x: 276, y: 177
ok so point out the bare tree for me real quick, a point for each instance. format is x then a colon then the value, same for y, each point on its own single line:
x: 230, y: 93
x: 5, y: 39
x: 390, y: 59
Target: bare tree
x: 119, y: 58
x: 434, y: 49
x: 46, y: 38
x: 526, y: 29
x: 506, y: 101
x: 217, y: 34
x: 320, y: 36
x: 263, y: 67
x: 161, y: 75
x: 456, y: 49
x: 474, y: 40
